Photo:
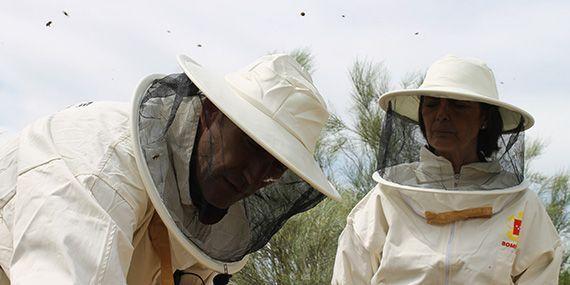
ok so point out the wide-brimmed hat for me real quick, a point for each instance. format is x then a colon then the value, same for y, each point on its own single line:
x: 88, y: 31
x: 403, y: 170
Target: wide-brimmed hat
x: 460, y: 79
x: 274, y: 101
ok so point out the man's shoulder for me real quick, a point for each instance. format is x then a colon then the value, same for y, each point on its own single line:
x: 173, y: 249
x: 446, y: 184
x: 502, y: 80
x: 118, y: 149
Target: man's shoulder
x: 98, y: 107
x: 104, y: 118
x: 82, y: 135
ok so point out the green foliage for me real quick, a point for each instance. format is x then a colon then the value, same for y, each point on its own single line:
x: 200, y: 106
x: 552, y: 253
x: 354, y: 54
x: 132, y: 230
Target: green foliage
x: 303, y: 251
x: 557, y: 197
x: 369, y: 81
x: 564, y: 277
x: 304, y: 57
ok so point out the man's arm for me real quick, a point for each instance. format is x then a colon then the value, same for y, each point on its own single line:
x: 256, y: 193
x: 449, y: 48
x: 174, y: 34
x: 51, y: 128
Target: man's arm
x: 62, y: 235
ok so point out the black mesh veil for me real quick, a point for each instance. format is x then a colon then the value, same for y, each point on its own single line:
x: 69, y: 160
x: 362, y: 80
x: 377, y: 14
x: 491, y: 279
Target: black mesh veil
x: 168, y: 120
x: 405, y: 157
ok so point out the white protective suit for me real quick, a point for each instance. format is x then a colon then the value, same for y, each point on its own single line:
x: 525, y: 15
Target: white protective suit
x: 73, y: 207
x: 388, y: 241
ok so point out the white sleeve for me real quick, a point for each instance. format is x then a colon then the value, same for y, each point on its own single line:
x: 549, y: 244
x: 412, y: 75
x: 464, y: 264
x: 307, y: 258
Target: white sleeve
x: 360, y: 244
x: 353, y: 262
x: 62, y: 234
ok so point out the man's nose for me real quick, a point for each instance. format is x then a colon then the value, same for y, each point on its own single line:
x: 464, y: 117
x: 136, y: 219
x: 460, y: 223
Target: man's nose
x: 259, y: 170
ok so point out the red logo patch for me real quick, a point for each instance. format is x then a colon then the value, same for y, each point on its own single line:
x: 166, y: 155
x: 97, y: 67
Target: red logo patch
x: 514, y: 229
x: 517, y: 227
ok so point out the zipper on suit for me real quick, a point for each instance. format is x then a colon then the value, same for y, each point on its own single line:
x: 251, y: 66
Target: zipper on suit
x: 448, y: 253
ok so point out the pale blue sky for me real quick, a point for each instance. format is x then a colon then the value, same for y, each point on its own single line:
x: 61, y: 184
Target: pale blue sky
x: 104, y: 48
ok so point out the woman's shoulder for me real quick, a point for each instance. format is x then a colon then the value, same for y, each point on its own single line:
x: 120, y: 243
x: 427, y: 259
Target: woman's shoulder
x: 369, y: 208
x: 367, y: 220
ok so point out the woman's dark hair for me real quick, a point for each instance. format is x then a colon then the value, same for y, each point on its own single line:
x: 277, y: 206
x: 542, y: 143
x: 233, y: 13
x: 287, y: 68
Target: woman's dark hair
x: 487, y: 139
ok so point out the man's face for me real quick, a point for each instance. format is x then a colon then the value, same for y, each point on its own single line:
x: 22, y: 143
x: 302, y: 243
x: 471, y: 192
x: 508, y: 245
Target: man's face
x: 229, y: 164
x: 451, y: 125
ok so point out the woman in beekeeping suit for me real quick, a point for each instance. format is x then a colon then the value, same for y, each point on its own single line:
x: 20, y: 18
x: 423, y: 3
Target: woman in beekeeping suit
x: 200, y: 171
x: 451, y: 205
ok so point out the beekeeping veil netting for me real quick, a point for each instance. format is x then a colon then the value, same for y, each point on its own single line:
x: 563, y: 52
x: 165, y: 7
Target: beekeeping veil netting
x: 168, y: 121
x: 403, y: 151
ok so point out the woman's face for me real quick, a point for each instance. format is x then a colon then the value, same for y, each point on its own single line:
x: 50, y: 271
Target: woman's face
x: 451, y: 126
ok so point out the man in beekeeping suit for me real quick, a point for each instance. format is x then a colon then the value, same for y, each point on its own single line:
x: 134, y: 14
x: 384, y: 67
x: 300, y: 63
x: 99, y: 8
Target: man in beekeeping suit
x: 198, y: 172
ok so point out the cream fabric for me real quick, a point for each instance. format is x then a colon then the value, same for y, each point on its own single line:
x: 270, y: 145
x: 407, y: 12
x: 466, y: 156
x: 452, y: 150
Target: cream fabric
x: 73, y: 207
x: 281, y: 89
x: 387, y: 240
